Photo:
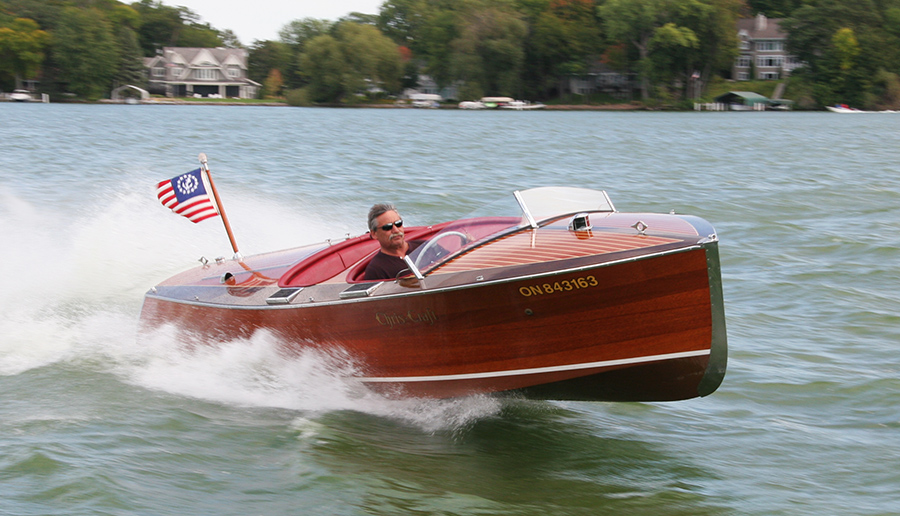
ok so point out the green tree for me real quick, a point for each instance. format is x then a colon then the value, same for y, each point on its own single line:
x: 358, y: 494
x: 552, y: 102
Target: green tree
x: 565, y: 36
x: 674, y: 38
x: 635, y: 22
x: 886, y: 90
x: 672, y: 48
x: 22, y: 46
x: 374, y: 59
x: 45, y: 12
x: 700, y: 39
x: 489, y: 51
x: 124, y: 21
x: 324, y: 66
x: 160, y: 25
x: 835, y: 71
x: 165, y: 26
x: 360, y: 18
x: 131, y: 64
x: 298, y: 32
x: 774, y: 8
x: 355, y: 58
x: 434, y: 46
x: 86, y: 52
x: 428, y: 29
x: 265, y: 56
x: 294, y: 36
x: 198, y: 35
x: 718, y: 38
x: 404, y: 20
x: 230, y: 39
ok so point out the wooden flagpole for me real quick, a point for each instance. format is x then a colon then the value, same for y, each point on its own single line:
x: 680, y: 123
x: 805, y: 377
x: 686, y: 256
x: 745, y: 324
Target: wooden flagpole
x: 212, y: 185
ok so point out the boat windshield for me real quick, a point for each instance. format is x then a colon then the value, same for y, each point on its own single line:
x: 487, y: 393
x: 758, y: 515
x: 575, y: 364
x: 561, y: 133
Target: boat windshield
x: 537, y: 205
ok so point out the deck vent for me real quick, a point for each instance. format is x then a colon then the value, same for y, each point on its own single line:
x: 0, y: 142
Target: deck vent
x: 360, y: 290
x: 283, y: 296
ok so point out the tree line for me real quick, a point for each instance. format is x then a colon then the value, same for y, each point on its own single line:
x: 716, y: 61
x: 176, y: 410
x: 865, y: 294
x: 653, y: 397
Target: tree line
x: 519, y: 48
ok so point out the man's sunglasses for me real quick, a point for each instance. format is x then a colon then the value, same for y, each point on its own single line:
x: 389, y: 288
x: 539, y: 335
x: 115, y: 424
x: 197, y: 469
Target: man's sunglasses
x: 387, y: 227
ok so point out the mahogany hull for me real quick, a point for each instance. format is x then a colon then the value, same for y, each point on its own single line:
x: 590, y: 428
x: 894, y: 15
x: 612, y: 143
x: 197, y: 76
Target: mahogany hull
x: 644, y: 328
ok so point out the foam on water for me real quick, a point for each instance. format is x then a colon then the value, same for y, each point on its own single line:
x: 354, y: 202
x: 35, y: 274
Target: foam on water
x: 76, y: 286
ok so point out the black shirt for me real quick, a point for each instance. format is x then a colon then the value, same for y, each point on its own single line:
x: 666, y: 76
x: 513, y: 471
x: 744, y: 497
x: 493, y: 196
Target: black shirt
x: 386, y: 266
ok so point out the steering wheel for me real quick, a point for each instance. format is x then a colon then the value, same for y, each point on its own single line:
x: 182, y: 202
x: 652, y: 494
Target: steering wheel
x: 463, y: 239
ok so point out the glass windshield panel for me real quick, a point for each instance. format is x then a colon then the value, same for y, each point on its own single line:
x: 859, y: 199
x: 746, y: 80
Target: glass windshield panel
x: 461, y: 234
x: 502, y: 217
x: 550, y: 202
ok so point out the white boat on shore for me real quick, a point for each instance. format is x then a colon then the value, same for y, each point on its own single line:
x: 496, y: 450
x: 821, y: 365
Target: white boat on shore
x: 500, y: 103
x: 472, y: 104
x: 522, y: 105
x: 21, y: 96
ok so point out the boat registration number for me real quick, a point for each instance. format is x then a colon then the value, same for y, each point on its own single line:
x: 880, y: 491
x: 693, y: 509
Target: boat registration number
x: 559, y: 286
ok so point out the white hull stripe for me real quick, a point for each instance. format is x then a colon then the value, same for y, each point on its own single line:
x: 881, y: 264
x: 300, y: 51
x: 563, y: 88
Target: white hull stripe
x: 536, y: 370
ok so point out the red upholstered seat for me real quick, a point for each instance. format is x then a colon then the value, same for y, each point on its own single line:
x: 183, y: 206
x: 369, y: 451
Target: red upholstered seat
x: 335, y: 259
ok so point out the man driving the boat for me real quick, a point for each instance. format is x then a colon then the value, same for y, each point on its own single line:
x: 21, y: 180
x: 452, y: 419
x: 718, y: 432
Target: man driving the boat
x: 386, y: 226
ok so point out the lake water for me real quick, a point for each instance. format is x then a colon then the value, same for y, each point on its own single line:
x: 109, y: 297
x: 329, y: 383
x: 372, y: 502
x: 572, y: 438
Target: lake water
x: 807, y: 421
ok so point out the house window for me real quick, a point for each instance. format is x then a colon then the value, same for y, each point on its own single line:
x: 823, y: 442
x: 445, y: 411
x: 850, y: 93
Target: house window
x: 768, y: 75
x: 769, y: 46
x: 743, y: 62
x: 743, y: 76
x: 205, y: 73
x: 234, y: 72
x: 770, y: 61
x: 793, y: 62
x: 177, y: 71
x: 159, y: 71
x: 744, y: 45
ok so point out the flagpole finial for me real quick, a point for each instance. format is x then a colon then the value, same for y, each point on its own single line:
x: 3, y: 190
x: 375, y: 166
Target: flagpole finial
x: 202, y: 158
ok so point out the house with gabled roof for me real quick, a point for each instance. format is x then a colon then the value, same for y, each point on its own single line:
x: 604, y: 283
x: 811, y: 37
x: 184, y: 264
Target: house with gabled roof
x: 204, y: 72
x: 762, y: 50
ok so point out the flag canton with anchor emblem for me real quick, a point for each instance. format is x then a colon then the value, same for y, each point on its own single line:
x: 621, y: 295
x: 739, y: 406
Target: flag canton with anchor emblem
x: 187, y: 196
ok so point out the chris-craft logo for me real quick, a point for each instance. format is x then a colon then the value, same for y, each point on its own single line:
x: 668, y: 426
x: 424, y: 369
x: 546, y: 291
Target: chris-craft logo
x: 187, y: 184
x: 426, y: 316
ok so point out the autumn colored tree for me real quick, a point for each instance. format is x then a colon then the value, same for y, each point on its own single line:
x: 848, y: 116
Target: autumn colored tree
x: 273, y: 84
x: 264, y: 56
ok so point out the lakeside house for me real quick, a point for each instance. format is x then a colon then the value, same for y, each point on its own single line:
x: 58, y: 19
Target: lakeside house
x: 205, y: 72
x: 763, y: 50
x: 763, y: 55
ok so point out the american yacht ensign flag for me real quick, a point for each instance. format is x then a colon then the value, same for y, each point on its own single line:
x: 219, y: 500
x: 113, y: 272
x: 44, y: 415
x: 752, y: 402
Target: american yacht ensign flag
x: 187, y: 195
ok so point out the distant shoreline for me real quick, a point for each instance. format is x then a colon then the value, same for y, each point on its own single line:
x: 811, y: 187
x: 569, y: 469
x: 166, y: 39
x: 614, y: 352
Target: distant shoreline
x: 559, y: 107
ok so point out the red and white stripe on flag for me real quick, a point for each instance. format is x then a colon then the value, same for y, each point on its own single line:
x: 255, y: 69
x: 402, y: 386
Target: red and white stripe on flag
x: 187, y: 195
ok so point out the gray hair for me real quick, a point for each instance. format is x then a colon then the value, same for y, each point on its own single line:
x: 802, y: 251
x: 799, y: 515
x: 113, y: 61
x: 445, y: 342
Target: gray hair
x: 377, y: 211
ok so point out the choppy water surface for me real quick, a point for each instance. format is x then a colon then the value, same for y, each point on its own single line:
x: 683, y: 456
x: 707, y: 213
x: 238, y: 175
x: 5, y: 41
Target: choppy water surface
x: 807, y: 421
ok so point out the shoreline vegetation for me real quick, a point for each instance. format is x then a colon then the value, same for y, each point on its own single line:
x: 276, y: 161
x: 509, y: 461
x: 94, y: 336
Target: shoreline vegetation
x: 663, y: 55
x: 368, y: 105
x: 766, y: 88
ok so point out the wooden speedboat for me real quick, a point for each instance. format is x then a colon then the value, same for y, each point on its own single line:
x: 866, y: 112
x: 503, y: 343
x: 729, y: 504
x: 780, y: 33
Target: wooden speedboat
x: 563, y: 298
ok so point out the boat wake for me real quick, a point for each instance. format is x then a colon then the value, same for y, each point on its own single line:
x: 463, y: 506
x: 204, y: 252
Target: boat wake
x: 74, y: 296
x: 259, y: 372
